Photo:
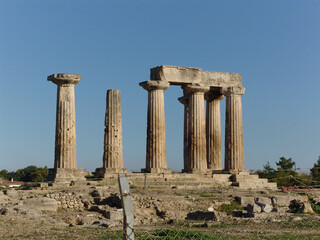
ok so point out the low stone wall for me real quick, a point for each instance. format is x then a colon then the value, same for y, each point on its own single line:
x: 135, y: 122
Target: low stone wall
x: 68, y: 200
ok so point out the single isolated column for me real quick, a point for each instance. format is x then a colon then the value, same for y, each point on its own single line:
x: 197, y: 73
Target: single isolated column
x: 112, y: 154
x: 234, y: 157
x: 156, y: 156
x: 213, y: 128
x: 186, y: 163
x: 197, y: 127
x: 65, y: 140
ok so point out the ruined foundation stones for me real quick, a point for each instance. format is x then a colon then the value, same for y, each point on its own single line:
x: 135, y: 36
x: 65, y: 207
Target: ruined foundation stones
x: 112, y: 154
x: 65, y: 165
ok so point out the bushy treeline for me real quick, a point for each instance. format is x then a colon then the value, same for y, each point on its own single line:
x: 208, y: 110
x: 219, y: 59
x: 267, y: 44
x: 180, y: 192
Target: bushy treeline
x: 287, y: 175
x: 28, y: 174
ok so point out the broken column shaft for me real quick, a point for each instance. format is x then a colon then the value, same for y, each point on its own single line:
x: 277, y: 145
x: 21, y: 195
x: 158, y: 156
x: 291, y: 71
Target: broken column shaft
x: 112, y: 155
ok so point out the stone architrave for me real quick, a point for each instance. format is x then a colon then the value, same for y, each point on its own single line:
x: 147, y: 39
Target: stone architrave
x: 234, y: 156
x: 156, y: 159
x: 65, y: 164
x: 213, y: 129
x: 186, y: 163
x: 112, y: 154
x: 197, y: 127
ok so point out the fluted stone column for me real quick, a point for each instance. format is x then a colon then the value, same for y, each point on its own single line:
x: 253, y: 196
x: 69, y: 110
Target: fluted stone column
x: 65, y: 139
x: 186, y: 163
x: 213, y: 129
x: 156, y: 156
x: 112, y: 154
x: 197, y: 127
x: 234, y: 157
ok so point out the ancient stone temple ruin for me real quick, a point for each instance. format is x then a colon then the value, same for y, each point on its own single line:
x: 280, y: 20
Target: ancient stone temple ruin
x: 65, y: 164
x: 202, y: 129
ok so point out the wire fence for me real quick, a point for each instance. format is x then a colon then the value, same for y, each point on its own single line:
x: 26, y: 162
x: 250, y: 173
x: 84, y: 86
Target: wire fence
x: 146, y: 217
x: 298, y: 227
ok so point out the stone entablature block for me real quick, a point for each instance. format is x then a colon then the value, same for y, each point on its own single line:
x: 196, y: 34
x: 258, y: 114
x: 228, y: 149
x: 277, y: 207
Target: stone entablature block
x: 184, y: 75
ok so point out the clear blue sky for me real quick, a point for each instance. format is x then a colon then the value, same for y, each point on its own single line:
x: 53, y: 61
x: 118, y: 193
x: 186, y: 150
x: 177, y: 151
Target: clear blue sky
x: 113, y: 44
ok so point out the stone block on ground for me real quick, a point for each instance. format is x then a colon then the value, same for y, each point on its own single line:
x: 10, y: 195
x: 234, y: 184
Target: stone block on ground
x: 41, y: 203
x: 301, y: 207
x: 116, y: 215
x: 244, y: 201
x: 265, y: 200
x: 265, y: 207
x: 237, y: 213
x: 253, y: 208
x: 201, y: 215
x: 284, y: 200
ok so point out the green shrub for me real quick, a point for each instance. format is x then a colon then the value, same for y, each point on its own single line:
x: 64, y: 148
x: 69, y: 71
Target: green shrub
x: 229, y: 208
x: 315, y: 208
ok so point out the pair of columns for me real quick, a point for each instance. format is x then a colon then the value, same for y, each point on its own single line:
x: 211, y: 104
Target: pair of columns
x: 65, y: 165
x: 202, y: 132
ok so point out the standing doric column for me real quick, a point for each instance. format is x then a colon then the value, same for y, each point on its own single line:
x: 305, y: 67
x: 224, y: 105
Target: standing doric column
x: 197, y: 127
x: 112, y: 154
x: 65, y: 144
x: 65, y: 164
x: 213, y: 129
x: 156, y: 157
x: 234, y: 159
x: 184, y: 100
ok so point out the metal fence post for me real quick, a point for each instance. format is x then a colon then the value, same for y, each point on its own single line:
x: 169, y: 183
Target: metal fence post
x: 128, y: 216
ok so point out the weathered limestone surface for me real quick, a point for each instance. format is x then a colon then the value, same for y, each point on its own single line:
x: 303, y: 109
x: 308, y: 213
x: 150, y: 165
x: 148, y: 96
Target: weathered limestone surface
x: 234, y: 157
x: 65, y: 139
x: 113, y: 156
x: 213, y: 128
x: 183, y: 75
x: 113, y: 151
x: 185, y: 101
x: 197, y: 124
x: 156, y: 159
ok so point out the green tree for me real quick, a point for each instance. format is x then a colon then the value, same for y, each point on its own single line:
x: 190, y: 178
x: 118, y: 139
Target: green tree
x: 4, y: 174
x: 267, y: 172
x: 286, y: 164
x: 285, y: 174
x: 315, y: 171
x: 28, y: 174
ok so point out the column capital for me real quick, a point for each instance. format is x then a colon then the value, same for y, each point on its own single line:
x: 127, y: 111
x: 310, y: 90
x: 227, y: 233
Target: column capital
x: 232, y: 90
x: 154, y: 85
x: 213, y: 94
x: 196, y: 88
x: 64, y: 78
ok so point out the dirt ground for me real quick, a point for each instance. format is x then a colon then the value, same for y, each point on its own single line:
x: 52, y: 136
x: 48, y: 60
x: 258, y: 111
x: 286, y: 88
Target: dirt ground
x: 93, y: 212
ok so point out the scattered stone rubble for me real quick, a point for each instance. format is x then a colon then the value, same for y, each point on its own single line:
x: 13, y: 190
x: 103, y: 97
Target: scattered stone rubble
x: 100, y: 206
